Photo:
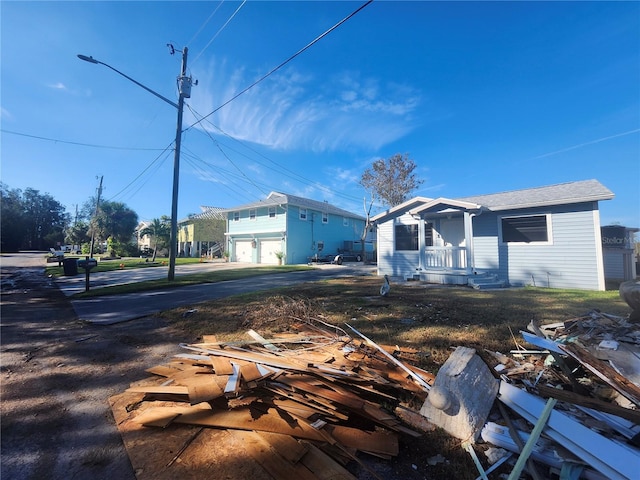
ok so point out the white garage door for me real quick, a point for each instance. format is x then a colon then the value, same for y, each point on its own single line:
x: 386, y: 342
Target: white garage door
x: 244, y: 251
x: 267, y: 251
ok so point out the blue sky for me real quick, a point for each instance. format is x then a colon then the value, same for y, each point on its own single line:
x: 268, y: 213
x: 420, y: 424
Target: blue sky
x: 485, y: 97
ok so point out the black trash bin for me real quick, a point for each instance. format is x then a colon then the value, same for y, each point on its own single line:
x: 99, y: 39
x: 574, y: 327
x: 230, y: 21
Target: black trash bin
x: 70, y: 266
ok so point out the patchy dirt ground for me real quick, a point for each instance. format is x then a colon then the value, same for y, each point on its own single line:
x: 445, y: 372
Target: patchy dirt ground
x: 56, y: 376
x: 57, y: 373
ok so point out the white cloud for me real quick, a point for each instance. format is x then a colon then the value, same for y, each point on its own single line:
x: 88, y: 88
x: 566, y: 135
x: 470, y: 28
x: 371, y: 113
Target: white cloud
x: 5, y: 114
x: 58, y: 86
x: 293, y: 111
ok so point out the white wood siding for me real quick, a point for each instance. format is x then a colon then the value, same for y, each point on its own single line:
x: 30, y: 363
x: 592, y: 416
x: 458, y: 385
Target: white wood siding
x: 398, y: 264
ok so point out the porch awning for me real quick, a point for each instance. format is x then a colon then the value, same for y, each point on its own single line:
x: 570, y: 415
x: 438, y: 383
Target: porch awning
x: 444, y: 205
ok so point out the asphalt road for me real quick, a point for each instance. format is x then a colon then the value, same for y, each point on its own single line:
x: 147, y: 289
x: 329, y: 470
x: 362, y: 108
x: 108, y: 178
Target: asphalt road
x: 108, y: 310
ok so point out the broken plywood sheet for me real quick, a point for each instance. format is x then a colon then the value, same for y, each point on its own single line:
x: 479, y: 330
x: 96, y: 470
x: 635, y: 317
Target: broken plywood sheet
x: 153, y: 452
x: 186, y: 452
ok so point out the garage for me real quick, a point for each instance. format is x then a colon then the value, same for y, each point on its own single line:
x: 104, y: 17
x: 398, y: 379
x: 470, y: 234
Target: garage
x: 244, y: 251
x: 268, y: 249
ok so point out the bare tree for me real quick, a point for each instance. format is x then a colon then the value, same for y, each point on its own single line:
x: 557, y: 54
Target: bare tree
x: 391, y: 180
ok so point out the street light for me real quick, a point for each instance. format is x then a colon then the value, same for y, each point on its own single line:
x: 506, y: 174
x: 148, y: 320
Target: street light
x: 184, y: 86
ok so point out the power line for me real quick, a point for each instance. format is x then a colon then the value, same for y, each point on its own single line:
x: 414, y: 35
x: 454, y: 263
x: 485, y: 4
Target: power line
x: 54, y: 140
x: 275, y: 69
x: 225, y: 155
x: 204, y: 24
x: 165, y: 152
x: 218, y: 32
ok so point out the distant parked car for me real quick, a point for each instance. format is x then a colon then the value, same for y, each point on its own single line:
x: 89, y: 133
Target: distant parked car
x: 336, y: 258
x: 350, y: 257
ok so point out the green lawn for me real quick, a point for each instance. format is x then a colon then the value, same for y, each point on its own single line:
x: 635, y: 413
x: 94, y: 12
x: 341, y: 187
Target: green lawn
x: 117, y: 264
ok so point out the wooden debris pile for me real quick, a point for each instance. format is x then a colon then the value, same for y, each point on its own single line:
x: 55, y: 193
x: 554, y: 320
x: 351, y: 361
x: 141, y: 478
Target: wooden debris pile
x: 596, y: 355
x: 587, y: 370
x: 315, y: 390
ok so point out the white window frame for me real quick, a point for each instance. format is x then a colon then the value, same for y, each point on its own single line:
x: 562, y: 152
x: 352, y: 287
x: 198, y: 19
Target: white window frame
x: 272, y: 212
x: 549, y: 240
x: 236, y: 216
x: 253, y: 213
x: 303, y: 214
x: 399, y: 223
x: 345, y: 221
x: 325, y: 217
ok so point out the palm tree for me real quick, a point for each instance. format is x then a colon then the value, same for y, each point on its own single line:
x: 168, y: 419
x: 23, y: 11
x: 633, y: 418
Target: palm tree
x: 159, y: 231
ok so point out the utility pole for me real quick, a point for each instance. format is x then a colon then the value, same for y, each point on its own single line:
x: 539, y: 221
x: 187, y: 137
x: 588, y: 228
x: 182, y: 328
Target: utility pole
x: 184, y: 85
x: 93, y: 225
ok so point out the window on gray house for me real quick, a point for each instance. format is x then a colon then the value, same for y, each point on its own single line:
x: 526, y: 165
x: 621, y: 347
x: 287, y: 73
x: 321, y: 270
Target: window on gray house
x: 406, y: 237
x: 525, y: 229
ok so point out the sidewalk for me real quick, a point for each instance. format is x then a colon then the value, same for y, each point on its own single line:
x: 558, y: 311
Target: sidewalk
x: 108, y: 310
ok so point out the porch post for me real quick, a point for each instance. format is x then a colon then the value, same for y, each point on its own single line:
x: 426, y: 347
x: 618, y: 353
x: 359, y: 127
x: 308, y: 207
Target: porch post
x: 421, y: 245
x: 468, y: 244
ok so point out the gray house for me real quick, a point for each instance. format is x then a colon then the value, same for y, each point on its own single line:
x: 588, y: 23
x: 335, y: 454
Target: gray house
x: 547, y: 236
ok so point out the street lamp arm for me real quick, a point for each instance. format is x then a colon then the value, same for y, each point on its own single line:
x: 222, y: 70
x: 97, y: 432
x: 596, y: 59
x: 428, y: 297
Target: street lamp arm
x: 93, y: 60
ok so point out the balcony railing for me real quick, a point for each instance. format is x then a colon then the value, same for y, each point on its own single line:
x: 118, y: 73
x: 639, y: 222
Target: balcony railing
x: 446, y: 257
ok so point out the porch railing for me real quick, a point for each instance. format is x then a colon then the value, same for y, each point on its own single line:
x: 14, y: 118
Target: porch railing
x: 446, y: 257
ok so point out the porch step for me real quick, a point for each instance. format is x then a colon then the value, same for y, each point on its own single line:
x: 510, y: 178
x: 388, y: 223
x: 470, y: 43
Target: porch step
x: 485, y: 281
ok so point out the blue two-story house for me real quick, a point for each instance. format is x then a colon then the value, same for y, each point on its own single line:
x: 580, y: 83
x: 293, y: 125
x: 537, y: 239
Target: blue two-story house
x: 289, y: 229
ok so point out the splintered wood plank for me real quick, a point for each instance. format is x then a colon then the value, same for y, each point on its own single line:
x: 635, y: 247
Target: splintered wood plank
x: 159, y: 389
x: 270, y: 360
x: 221, y: 365
x: 192, y: 372
x: 158, y: 417
x: 209, y: 339
x: 323, y: 466
x: 271, y: 461
x: 300, y: 409
x: 604, y: 371
x: 249, y: 372
x: 204, y: 392
x: 287, y: 446
x: 383, y: 443
x: 319, y: 389
x: 263, y: 341
x: 572, y: 397
x: 163, y: 370
x: 240, y: 419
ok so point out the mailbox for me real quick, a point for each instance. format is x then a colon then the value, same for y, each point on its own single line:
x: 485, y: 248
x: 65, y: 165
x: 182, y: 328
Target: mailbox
x: 88, y: 264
